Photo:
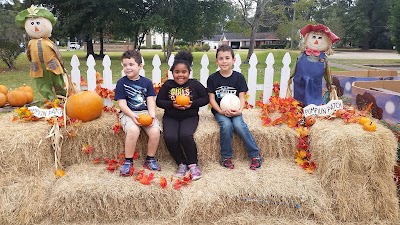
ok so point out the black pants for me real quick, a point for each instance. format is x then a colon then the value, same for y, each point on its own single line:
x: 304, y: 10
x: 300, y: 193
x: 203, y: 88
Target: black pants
x: 178, y: 136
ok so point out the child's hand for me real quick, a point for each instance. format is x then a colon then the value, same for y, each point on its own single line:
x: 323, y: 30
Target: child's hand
x: 134, y: 118
x: 232, y: 113
x: 177, y: 106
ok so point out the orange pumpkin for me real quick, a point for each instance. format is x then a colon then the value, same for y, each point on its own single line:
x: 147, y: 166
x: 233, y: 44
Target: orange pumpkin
x: 182, y: 100
x: 16, y: 98
x: 26, y: 88
x: 145, y: 119
x: 339, y: 113
x: 364, y: 120
x: 371, y: 126
x: 3, y: 89
x: 3, y: 99
x: 310, y: 120
x: 29, y: 96
x: 85, y: 106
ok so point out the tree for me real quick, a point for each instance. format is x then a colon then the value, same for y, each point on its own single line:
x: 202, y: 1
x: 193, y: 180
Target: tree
x: 10, y: 35
x: 246, y: 7
x: 189, y: 20
x: 394, y: 23
x: 366, y: 23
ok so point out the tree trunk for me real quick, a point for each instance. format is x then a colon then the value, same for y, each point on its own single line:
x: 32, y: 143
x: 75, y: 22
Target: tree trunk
x: 164, y: 47
x: 365, y: 45
x: 101, y: 45
x: 89, y: 46
x: 170, y: 46
x: 254, y: 26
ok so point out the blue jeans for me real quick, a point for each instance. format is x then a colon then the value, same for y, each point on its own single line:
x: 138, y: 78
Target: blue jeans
x: 229, y: 124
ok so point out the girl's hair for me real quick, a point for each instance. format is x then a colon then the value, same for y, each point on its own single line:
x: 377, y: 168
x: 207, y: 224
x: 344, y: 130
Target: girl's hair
x: 183, y: 57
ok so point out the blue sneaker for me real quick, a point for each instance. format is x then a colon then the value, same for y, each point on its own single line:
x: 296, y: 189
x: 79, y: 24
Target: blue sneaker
x: 151, y: 164
x: 126, y: 169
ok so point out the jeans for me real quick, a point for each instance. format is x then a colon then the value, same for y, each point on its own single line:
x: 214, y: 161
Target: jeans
x: 229, y: 124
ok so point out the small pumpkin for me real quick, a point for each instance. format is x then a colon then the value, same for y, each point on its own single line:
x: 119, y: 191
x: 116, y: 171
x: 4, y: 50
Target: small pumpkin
x: 340, y: 112
x: 16, y: 98
x: 3, y: 99
x: 310, y: 120
x: 371, y: 126
x: 3, y: 89
x: 364, y: 120
x: 182, y: 100
x: 145, y: 119
x: 84, y: 106
x: 29, y: 96
x: 26, y: 88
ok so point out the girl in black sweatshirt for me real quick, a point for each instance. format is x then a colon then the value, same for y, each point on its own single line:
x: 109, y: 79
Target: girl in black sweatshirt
x: 180, y: 121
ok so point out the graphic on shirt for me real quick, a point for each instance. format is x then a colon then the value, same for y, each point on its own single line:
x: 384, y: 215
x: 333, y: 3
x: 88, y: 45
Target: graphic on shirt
x: 220, y: 92
x: 136, y: 96
x: 178, y: 91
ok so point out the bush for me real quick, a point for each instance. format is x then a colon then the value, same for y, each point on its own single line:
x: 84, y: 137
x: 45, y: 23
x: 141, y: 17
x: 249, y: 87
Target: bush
x: 9, y: 51
x: 181, y: 43
x: 206, y: 47
x: 156, y: 47
x: 197, y: 48
x: 273, y: 46
x: 244, y: 47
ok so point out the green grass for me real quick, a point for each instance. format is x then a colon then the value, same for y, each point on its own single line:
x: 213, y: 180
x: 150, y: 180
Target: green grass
x: 14, y: 79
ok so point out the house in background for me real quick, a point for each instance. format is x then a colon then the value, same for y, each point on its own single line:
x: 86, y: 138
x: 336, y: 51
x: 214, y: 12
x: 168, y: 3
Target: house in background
x: 240, y: 40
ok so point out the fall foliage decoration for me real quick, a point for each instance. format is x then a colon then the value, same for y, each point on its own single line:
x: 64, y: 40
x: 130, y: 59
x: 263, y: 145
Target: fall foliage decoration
x: 182, y: 100
x: 85, y: 106
x: 340, y: 112
x: 157, y: 86
x: 59, y: 173
x: 145, y: 119
x: 3, y: 99
x: 16, y: 98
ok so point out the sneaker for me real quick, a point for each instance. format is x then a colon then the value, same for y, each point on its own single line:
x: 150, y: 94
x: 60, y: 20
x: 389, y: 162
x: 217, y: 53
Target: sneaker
x: 126, y: 169
x: 151, y: 164
x: 256, y: 163
x: 227, y: 163
x: 195, y: 172
x: 182, y: 170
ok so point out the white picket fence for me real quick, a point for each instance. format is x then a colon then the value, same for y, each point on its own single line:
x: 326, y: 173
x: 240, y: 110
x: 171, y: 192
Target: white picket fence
x: 156, y: 74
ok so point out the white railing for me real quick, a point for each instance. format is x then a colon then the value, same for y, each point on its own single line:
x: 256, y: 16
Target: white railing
x: 156, y: 74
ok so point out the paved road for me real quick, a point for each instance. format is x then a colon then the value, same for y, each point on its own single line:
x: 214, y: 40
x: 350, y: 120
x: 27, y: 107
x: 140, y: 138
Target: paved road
x: 373, y: 54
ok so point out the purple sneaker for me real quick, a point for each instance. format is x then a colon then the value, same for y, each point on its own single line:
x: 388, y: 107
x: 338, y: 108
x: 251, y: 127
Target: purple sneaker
x: 195, y: 172
x: 151, y: 164
x: 182, y: 170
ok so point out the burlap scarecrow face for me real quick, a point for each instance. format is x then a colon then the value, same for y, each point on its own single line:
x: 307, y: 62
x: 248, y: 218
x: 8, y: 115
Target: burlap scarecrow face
x: 316, y: 40
x: 38, y: 21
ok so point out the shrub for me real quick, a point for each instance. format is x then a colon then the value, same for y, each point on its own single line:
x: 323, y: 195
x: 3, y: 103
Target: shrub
x: 156, y: 47
x: 181, y: 43
x: 206, y: 47
x: 197, y: 48
x: 273, y: 46
x: 9, y: 51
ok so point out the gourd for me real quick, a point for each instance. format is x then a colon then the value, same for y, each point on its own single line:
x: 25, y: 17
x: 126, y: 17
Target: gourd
x: 3, y: 99
x: 84, y: 106
x: 16, y: 98
x: 145, y: 119
x: 230, y: 102
x: 182, y: 100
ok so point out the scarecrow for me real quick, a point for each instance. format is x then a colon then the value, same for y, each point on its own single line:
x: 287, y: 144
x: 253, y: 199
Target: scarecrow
x: 312, y: 65
x: 46, y: 63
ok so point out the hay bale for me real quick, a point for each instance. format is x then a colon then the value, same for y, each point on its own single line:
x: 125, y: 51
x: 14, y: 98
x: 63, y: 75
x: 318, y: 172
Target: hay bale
x: 23, y: 199
x: 273, y: 142
x: 91, y: 194
x: 356, y: 169
x: 24, y: 148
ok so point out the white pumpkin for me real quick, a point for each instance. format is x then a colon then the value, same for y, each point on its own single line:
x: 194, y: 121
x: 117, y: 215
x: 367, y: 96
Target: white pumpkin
x: 230, y: 102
